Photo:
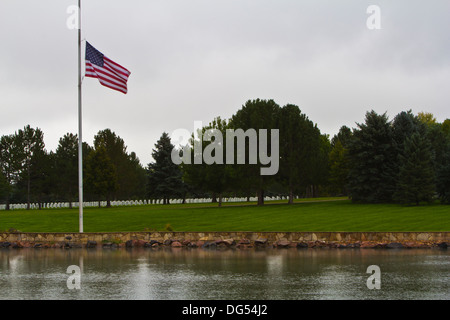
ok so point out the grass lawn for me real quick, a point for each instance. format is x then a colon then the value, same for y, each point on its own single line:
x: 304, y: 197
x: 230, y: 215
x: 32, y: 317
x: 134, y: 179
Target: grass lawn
x: 304, y: 215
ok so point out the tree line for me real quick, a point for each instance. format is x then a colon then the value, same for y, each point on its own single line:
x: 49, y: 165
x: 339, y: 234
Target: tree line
x: 404, y: 160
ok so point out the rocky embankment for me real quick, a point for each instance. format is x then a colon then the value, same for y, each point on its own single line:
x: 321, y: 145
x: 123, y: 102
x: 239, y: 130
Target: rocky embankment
x: 68, y: 242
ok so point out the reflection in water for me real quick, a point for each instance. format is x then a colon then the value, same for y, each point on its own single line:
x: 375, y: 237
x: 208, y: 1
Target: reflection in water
x: 231, y: 274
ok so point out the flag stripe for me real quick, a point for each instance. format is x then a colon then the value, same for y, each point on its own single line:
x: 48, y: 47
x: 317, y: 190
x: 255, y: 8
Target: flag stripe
x: 118, y: 68
x: 105, y: 72
x: 102, y: 72
x: 111, y: 85
x: 105, y: 81
x: 93, y: 72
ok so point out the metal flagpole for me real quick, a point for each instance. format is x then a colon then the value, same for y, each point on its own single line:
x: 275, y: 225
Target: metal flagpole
x: 80, y: 127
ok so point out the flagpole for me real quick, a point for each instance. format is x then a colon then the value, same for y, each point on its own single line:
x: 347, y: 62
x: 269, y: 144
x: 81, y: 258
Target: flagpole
x: 80, y: 128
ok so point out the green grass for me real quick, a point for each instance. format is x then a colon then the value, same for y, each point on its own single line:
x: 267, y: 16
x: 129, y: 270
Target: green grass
x: 326, y: 215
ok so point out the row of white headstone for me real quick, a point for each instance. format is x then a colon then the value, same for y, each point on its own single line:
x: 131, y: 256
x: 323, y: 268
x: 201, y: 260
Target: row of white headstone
x: 19, y: 206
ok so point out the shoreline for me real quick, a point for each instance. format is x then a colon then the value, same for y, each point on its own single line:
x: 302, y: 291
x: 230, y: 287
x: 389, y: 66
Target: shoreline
x: 223, y: 240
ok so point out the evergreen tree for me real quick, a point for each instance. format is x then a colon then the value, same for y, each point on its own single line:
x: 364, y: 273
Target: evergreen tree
x: 66, y: 167
x: 339, y: 168
x: 214, y: 177
x: 372, y: 155
x: 416, y: 174
x: 137, y: 177
x: 10, y: 163
x: 42, y: 176
x: 3, y: 185
x: 101, y: 176
x: 343, y: 136
x: 164, y: 177
x: 33, y: 158
x: 320, y: 166
x: 339, y: 161
x: 130, y: 173
x: 443, y: 175
x: 446, y: 127
x: 404, y: 125
x: 255, y: 114
x: 298, y: 145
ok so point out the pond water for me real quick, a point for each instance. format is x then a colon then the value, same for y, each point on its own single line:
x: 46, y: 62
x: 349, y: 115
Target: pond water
x: 269, y: 274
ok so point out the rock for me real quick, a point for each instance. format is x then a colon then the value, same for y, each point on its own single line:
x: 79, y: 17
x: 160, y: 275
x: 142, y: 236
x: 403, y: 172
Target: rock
x: 283, y: 243
x: 37, y: 245
x: 92, y: 244
x: 200, y: 243
x: 367, y: 244
x: 261, y: 242
x: 410, y: 244
x: 129, y: 244
x: 192, y: 245
x: 148, y: 245
x: 226, y: 242
x: 140, y: 243
x: 443, y: 245
x: 244, y: 241
x: 212, y: 245
x: 176, y: 244
x: 152, y: 242
x: 67, y: 245
x: 311, y: 244
x: 17, y: 245
x: 209, y: 245
x: 186, y: 242
x: 167, y: 242
x: 5, y: 244
x: 320, y: 243
x: 107, y: 245
x: 349, y: 245
x: 230, y: 242
x: 423, y: 237
x: 394, y: 245
x: 302, y: 245
x: 69, y: 238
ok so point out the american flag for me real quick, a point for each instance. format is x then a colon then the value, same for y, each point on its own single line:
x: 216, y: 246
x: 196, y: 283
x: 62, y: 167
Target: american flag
x: 109, y: 73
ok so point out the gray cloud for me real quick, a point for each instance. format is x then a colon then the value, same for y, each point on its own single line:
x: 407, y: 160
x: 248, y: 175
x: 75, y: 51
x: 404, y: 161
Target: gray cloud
x: 197, y: 59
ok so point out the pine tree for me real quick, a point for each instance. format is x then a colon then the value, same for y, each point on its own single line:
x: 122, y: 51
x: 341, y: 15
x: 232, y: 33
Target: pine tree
x: 130, y: 173
x: 299, y: 147
x: 255, y: 114
x: 3, y: 185
x: 372, y: 155
x: 339, y: 168
x: 66, y: 167
x: 101, y: 175
x: 416, y: 174
x: 443, y: 176
x: 212, y: 177
x: 164, y: 177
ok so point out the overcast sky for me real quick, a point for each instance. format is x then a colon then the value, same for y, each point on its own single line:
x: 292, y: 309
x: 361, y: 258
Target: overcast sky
x: 193, y: 60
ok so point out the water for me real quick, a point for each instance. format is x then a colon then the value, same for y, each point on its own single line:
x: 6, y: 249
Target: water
x: 273, y: 274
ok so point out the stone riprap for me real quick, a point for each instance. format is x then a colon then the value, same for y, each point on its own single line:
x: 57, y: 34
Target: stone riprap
x: 215, y: 240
